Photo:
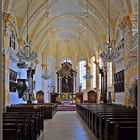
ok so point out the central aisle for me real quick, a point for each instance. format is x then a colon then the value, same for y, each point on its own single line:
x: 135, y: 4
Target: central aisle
x: 66, y: 125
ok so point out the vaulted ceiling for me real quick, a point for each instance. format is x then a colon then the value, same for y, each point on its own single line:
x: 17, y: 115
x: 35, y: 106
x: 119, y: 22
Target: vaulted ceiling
x: 71, y: 28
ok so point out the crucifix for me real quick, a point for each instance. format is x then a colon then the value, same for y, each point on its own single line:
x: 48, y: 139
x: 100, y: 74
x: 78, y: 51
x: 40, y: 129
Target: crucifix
x: 66, y: 79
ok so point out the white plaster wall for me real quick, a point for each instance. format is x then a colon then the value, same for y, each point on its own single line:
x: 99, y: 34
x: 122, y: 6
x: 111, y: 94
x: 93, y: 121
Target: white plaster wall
x: 38, y: 74
x: 13, y: 96
x: 119, y: 98
x: 38, y: 79
x: 50, y: 83
x: 120, y: 65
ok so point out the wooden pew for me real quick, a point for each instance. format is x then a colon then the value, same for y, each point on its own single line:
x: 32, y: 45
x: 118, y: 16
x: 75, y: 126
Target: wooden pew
x: 125, y: 131
x: 105, y: 118
x: 94, y: 116
x: 36, y: 122
x: 29, y: 116
x: 101, y: 116
x: 39, y: 122
x: 24, y: 127
x: 9, y: 128
x: 49, y: 109
x: 11, y: 134
x: 108, y: 132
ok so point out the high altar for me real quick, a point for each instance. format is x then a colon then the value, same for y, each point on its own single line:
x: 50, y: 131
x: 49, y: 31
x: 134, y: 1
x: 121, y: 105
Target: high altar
x: 66, y: 79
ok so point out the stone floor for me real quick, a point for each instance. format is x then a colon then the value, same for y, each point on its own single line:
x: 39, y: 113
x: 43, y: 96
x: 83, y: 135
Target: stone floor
x: 66, y: 125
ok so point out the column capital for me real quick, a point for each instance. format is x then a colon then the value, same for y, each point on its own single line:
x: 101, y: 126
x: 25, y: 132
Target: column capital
x: 43, y: 66
x: 19, y: 40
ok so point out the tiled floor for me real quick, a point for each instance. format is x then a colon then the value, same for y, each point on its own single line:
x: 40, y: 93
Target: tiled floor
x: 66, y: 125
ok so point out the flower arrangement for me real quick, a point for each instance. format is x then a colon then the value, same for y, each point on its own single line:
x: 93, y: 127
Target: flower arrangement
x: 70, y: 97
x: 58, y: 99
x: 66, y: 96
x: 33, y: 97
x: 77, y: 101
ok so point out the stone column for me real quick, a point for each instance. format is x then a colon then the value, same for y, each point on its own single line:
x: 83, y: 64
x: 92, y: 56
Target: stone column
x: 113, y: 92
x: 97, y: 79
x: 59, y: 84
x: 74, y: 84
x: 105, y: 83
x: 6, y: 58
x: 102, y: 84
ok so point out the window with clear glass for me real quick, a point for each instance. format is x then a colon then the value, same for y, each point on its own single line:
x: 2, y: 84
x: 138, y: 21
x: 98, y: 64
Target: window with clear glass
x: 110, y: 73
x: 12, y: 42
x: 94, y: 73
x: 82, y: 72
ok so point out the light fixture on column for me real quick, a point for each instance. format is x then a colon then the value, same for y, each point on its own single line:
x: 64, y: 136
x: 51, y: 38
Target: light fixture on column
x: 110, y: 52
x: 46, y: 75
x: 27, y: 54
x: 88, y: 76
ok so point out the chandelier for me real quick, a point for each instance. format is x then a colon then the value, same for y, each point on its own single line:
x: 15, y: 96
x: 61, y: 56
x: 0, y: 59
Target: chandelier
x: 27, y: 54
x: 110, y: 52
x: 46, y: 75
x: 88, y: 76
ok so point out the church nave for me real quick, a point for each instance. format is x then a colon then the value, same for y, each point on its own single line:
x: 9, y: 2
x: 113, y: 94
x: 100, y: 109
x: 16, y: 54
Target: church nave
x: 69, y: 70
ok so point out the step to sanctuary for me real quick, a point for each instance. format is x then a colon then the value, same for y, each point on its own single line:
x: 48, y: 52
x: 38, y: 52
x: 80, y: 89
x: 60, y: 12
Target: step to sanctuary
x: 66, y: 107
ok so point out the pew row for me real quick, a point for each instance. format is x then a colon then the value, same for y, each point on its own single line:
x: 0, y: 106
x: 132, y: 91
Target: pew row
x: 106, y: 121
x: 26, y: 121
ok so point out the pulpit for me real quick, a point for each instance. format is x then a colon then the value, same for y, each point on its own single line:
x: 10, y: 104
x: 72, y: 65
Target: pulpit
x: 40, y: 96
x: 92, y: 96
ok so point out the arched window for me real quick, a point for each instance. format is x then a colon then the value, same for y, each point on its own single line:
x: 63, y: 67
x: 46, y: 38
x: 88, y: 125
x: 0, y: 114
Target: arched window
x: 13, y: 43
x: 93, y: 73
x: 67, y: 60
x: 82, y: 72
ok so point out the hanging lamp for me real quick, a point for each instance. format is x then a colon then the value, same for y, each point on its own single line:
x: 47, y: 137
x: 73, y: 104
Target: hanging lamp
x: 110, y: 52
x: 46, y: 74
x: 88, y: 76
x: 27, y: 54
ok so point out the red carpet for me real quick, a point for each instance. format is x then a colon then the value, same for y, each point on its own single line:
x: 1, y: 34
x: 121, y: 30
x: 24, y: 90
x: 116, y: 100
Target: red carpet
x: 66, y: 107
